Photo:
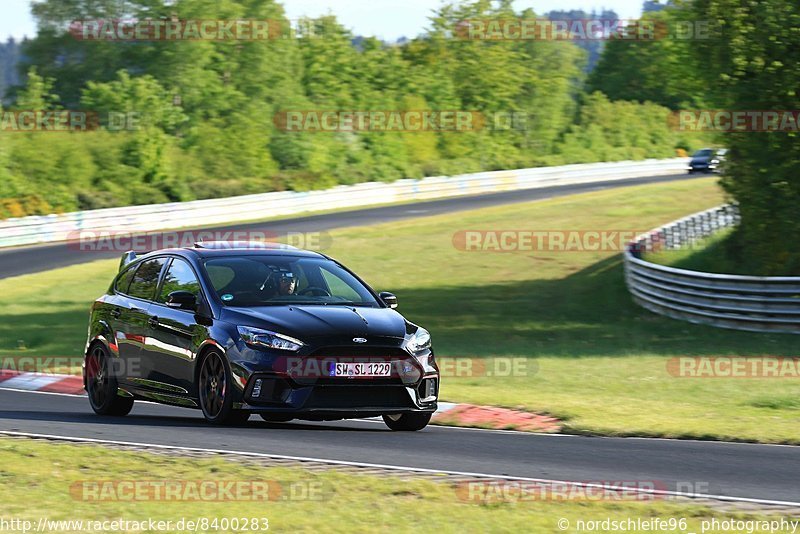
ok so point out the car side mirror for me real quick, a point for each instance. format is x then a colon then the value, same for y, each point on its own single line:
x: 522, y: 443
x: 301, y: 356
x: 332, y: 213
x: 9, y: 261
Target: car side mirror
x: 182, y: 300
x: 388, y: 298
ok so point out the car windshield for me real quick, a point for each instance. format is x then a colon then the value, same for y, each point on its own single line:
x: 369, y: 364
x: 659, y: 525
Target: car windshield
x: 704, y: 153
x: 282, y: 280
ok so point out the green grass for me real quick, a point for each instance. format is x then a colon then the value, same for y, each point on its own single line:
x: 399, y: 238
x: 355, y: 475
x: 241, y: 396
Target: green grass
x: 707, y: 255
x: 601, y: 360
x: 719, y: 253
x: 44, y: 473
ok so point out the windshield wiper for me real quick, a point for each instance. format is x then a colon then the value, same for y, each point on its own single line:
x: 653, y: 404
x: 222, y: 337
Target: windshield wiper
x: 332, y: 303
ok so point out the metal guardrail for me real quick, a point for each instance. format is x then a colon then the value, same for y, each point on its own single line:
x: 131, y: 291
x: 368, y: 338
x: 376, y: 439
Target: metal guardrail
x: 141, y: 219
x: 755, y: 303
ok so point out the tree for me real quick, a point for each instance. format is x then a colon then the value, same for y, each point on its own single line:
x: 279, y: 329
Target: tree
x: 204, y: 110
x: 751, y: 64
x: 593, y: 47
x: 37, y: 93
x: 144, y: 107
x: 609, y: 131
x: 9, y: 57
x: 664, y: 71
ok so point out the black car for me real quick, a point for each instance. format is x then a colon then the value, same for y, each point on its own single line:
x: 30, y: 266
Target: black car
x: 236, y: 329
x: 707, y: 160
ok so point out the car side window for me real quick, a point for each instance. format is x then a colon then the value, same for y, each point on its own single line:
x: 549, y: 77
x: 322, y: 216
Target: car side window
x: 124, y: 281
x: 143, y: 285
x: 179, y: 277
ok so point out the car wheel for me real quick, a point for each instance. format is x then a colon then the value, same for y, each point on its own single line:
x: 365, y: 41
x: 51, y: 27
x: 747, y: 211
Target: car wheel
x: 214, y: 386
x: 276, y: 418
x: 101, y: 385
x: 408, y: 422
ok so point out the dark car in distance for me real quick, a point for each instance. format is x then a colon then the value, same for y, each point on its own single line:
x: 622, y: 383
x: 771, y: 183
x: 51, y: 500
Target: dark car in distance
x: 236, y: 329
x: 707, y: 160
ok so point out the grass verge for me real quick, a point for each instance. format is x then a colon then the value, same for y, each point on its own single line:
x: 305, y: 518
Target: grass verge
x: 708, y: 255
x: 53, y: 478
x: 596, y: 360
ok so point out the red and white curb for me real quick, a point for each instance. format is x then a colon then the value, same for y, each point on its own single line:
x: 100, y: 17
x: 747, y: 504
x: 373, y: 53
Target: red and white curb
x: 45, y: 382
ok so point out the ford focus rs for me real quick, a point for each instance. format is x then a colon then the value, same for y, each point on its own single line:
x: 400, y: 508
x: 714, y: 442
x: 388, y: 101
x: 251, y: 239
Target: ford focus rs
x: 240, y: 329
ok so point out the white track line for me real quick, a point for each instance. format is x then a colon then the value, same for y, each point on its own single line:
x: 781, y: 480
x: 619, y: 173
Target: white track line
x: 607, y: 487
x: 76, y: 395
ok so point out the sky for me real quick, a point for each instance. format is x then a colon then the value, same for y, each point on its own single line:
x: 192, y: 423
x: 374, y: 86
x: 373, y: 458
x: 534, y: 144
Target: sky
x: 386, y: 19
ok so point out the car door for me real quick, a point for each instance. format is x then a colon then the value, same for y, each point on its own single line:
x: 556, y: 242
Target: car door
x: 174, y: 334
x: 131, y: 316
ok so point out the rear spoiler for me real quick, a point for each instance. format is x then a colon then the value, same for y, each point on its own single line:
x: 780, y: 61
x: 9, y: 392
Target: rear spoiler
x: 244, y: 245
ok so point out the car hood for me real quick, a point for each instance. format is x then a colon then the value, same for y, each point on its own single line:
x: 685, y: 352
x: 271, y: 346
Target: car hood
x: 304, y: 322
x: 701, y: 160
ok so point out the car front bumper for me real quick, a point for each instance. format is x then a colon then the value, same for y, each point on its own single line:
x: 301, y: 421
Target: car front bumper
x: 304, y: 387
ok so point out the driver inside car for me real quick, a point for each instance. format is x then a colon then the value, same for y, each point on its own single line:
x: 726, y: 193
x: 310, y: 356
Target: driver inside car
x: 287, y: 283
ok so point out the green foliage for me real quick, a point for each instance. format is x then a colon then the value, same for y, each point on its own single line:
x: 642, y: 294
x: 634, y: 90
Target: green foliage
x: 610, y: 131
x: 37, y: 93
x: 147, y: 102
x: 664, y: 71
x: 9, y: 56
x: 188, y: 120
x: 752, y: 63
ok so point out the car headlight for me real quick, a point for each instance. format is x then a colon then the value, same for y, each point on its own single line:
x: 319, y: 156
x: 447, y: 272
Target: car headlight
x: 267, y: 339
x: 421, y: 340
x: 714, y: 161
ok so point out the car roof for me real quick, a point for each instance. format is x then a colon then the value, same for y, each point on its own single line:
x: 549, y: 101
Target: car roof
x: 219, y: 252
x: 219, y: 249
x: 223, y: 252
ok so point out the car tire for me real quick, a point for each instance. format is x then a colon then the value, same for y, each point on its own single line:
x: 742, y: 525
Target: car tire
x: 214, y: 383
x: 407, y: 422
x: 276, y: 418
x: 101, y: 385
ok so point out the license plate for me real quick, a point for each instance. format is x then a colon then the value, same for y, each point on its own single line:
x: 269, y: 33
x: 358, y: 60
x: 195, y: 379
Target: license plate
x: 367, y: 370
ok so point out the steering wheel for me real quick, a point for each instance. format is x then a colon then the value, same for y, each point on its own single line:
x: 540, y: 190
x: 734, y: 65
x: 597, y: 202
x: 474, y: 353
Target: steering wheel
x: 314, y: 289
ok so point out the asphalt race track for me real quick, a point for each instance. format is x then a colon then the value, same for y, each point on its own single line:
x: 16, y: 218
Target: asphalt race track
x: 744, y: 471
x: 16, y: 261
x: 766, y: 472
